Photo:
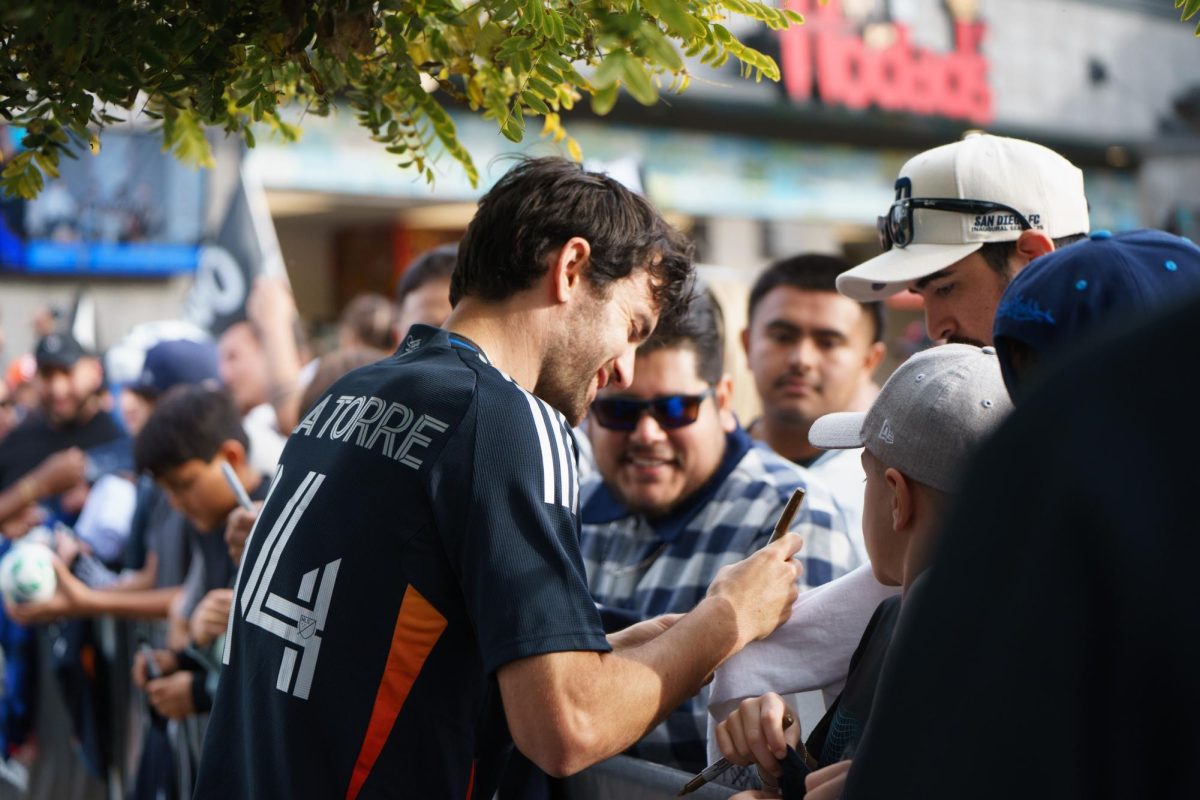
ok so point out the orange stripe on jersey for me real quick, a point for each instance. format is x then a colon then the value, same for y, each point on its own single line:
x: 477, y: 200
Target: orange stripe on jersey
x: 471, y: 782
x: 418, y: 627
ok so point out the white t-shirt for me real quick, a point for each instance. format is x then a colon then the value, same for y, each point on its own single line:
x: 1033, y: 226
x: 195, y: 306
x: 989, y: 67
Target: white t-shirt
x: 842, y: 472
x: 808, y: 653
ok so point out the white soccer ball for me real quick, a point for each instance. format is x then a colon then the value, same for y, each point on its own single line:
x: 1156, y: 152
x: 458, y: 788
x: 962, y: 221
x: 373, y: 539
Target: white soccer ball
x: 27, y: 573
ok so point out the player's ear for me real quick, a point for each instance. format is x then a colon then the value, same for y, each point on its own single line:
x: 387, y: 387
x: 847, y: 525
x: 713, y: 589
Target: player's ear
x: 567, y: 268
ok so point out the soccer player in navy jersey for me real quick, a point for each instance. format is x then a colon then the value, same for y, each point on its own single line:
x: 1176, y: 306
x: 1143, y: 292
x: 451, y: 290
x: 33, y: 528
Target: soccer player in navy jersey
x: 412, y: 600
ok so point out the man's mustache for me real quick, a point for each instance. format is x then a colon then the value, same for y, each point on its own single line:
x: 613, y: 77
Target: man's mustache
x: 792, y: 374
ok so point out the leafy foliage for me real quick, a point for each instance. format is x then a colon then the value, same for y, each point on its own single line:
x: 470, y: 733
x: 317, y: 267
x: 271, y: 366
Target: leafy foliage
x: 66, y: 64
x: 1190, y: 7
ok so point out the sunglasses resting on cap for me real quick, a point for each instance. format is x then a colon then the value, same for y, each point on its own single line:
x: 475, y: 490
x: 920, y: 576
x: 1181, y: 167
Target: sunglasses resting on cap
x: 896, y: 228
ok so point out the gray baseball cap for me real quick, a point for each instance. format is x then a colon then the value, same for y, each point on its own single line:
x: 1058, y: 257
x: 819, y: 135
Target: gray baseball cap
x: 934, y: 410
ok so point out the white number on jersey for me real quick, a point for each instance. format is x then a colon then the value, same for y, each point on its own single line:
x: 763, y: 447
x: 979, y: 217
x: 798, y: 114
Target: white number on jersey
x: 300, y: 622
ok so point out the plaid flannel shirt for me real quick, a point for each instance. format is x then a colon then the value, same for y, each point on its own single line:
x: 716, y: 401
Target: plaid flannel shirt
x: 638, y: 569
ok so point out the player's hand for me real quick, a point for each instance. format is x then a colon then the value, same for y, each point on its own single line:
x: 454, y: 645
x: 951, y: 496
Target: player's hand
x: 827, y: 783
x: 237, y: 530
x: 171, y: 695
x: 211, y: 616
x: 761, y: 588
x: 754, y: 734
x: 168, y: 663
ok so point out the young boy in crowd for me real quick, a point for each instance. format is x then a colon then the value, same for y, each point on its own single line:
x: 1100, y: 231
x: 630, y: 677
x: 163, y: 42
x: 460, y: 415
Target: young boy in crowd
x: 933, y: 411
x: 192, y: 433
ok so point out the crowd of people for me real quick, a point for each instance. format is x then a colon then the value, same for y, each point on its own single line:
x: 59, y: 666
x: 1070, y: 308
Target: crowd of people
x: 512, y: 525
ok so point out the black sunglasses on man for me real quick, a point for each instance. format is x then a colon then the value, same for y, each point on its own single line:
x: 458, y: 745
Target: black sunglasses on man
x: 896, y: 227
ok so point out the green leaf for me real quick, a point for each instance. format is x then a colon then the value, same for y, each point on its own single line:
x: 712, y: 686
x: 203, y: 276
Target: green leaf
x: 548, y: 72
x: 610, y: 69
x: 604, y: 99
x: 661, y: 51
x: 637, y: 82
x: 514, y: 127
x: 559, y: 30
x: 535, y: 102
x: 48, y: 162
x: 541, y: 87
x: 676, y: 17
x: 489, y: 37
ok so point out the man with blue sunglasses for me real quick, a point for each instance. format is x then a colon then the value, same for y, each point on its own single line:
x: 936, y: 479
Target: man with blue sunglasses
x: 680, y: 491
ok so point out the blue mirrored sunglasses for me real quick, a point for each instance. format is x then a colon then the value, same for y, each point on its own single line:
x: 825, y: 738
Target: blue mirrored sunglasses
x: 669, y: 411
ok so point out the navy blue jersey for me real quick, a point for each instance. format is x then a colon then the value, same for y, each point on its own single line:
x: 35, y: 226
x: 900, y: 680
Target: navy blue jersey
x: 420, y: 533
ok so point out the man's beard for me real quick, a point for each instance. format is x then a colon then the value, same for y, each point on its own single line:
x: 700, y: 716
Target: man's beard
x: 73, y: 415
x: 560, y: 386
x: 964, y: 340
x: 566, y: 377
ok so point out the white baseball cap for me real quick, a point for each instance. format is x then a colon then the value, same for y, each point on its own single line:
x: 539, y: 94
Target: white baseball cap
x: 936, y: 408
x: 1001, y: 176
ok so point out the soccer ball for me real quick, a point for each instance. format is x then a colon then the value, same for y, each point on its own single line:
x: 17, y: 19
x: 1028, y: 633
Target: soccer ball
x: 27, y: 573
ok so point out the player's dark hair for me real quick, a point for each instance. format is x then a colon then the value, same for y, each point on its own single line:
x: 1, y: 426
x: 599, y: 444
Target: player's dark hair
x: 188, y: 422
x: 542, y: 203
x: 701, y: 329
x: 811, y: 272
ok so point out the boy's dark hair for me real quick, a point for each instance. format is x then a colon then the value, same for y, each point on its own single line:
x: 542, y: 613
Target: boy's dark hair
x: 432, y: 265
x: 188, y: 422
x: 701, y: 329
x: 811, y: 272
x: 540, y: 204
x: 996, y: 254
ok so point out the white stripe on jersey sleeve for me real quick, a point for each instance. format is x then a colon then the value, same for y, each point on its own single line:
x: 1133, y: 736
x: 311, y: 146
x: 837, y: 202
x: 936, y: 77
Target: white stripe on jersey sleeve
x: 553, y: 425
x: 547, y: 450
x: 543, y: 441
x: 563, y: 483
